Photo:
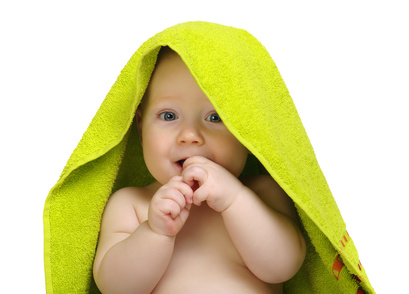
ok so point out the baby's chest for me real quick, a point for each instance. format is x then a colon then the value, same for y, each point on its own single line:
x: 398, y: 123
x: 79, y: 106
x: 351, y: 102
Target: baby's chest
x: 205, y: 260
x: 204, y: 239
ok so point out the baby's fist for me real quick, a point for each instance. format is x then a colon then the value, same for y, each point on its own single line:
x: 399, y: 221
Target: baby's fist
x: 170, y: 207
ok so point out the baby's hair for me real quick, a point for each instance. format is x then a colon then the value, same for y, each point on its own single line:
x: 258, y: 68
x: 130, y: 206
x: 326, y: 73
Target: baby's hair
x: 163, y: 52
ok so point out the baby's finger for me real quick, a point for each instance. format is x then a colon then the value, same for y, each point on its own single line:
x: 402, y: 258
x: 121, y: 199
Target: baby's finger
x: 194, y: 174
x: 184, y: 214
x: 200, y: 196
x: 184, y: 188
x: 195, y: 160
x: 176, y: 196
x: 186, y: 191
x: 169, y: 207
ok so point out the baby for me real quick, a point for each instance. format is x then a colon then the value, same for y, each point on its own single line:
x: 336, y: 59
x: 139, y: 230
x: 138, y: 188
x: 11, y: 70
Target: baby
x: 200, y: 227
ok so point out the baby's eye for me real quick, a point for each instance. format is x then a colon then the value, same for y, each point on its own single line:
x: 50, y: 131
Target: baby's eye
x: 168, y: 116
x: 214, y: 117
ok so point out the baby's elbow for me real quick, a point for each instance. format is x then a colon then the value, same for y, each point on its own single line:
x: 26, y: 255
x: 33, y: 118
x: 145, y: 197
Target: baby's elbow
x: 294, y: 266
x: 295, y: 261
x: 286, y: 267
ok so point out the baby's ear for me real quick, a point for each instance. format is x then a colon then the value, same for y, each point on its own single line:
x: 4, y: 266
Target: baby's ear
x: 138, y: 118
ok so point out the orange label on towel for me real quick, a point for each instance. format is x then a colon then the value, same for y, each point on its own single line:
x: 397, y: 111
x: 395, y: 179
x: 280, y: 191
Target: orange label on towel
x: 337, y: 267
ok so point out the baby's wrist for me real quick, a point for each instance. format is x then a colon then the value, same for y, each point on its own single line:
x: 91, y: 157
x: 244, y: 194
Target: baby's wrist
x: 235, y: 196
x: 158, y: 233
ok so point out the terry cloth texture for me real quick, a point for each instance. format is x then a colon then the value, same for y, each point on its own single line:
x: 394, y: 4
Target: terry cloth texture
x: 243, y: 83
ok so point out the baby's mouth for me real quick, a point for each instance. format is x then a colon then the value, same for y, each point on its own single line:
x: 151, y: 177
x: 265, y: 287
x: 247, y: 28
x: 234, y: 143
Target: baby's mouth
x: 181, y: 162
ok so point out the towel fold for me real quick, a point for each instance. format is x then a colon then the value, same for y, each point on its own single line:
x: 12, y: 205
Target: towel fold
x: 243, y: 83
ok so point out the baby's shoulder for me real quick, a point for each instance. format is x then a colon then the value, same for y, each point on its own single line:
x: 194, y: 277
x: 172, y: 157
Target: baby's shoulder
x: 129, y: 194
x: 129, y: 201
x: 262, y: 184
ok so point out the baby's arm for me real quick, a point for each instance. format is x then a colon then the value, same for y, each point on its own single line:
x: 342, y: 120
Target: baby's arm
x: 266, y: 236
x: 269, y: 240
x: 132, y: 256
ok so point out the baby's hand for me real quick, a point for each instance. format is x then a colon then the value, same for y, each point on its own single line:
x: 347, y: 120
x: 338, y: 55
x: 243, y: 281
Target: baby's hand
x: 170, y: 206
x: 216, y: 185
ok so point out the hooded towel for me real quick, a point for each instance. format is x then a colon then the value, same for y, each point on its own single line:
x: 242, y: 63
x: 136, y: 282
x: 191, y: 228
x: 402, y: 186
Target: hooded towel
x: 244, y: 85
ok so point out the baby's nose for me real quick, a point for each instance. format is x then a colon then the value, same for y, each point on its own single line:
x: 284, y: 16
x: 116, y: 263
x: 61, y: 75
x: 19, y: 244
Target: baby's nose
x: 190, y: 135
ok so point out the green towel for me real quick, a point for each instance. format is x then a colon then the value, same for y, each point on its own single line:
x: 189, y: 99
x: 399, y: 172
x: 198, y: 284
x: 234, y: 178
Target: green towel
x: 243, y: 83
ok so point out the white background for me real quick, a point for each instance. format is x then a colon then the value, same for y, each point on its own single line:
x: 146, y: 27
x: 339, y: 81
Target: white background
x: 345, y: 64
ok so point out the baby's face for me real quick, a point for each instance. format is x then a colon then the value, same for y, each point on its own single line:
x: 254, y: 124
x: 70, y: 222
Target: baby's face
x: 177, y: 121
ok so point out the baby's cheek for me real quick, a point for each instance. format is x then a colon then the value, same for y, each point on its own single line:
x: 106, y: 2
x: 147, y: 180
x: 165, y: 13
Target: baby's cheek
x: 235, y: 163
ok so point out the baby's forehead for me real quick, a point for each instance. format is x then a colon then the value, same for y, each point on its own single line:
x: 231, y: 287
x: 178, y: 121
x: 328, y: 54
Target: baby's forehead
x: 171, y: 80
x: 170, y: 72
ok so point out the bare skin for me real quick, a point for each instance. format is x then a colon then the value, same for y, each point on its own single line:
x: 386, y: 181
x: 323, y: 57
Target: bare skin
x: 198, y: 229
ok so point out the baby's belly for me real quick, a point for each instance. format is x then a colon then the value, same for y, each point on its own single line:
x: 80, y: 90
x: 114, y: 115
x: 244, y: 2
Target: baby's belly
x: 206, y: 261
x: 205, y: 275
